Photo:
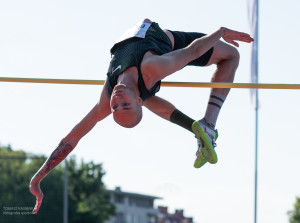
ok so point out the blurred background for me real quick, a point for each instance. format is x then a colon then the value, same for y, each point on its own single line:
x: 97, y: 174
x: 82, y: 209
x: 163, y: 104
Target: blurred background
x: 71, y: 40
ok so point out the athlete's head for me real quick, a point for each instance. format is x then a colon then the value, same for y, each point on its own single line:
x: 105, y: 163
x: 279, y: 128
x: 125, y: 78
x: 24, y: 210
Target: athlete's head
x: 126, y: 106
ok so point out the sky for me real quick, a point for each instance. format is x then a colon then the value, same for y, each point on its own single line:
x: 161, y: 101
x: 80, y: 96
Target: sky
x: 71, y: 40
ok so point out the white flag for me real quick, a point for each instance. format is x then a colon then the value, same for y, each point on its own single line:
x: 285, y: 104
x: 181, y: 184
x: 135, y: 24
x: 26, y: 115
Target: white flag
x: 253, y: 20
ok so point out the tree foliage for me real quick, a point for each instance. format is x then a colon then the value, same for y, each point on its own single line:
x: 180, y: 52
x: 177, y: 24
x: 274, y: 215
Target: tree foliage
x: 295, y: 214
x: 88, y: 198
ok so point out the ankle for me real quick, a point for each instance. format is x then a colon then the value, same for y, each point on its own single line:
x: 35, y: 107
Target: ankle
x: 210, y: 125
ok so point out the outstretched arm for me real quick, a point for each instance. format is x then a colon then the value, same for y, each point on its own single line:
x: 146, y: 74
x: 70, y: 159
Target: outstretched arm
x: 160, y: 107
x: 168, y: 111
x: 99, y: 112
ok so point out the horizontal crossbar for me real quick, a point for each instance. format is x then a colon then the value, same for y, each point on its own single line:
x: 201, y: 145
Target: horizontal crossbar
x: 166, y: 83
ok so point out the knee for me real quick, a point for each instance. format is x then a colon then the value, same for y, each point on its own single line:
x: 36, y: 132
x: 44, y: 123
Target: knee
x: 235, y: 56
x: 225, y: 52
x: 232, y: 59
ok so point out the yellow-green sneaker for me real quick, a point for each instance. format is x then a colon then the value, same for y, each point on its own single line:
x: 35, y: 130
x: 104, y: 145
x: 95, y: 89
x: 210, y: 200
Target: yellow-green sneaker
x: 200, y: 160
x: 206, y: 138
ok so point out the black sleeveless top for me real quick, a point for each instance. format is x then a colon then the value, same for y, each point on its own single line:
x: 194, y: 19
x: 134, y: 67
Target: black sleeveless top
x: 130, y: 53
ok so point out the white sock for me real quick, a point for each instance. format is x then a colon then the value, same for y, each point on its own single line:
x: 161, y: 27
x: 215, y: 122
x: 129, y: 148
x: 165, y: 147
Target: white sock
x: 214, y: 106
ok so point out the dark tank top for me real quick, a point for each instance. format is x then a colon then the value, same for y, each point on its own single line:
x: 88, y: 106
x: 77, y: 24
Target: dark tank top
x: 130, y: 52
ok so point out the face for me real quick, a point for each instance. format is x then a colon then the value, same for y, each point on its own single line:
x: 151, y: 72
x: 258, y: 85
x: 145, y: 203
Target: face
x: 125, y: 106
x: 123, y: 99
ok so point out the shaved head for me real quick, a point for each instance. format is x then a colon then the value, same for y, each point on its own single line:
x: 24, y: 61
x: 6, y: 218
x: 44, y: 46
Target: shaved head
x: 128, y: 118
x: 126, y: 106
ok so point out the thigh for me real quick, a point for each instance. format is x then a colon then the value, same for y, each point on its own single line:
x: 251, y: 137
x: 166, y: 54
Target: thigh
x: 184, y: 39
x: 171, y: 37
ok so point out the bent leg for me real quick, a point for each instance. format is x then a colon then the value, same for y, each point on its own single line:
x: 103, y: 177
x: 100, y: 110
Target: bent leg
x: 226, y: 58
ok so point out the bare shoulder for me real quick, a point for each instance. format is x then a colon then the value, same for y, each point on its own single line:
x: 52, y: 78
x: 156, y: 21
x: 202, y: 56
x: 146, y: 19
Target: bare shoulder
x: 106, y: 90
x: 104, y: 100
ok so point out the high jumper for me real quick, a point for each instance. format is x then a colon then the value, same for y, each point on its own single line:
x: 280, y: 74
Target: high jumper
x: 141, y: 58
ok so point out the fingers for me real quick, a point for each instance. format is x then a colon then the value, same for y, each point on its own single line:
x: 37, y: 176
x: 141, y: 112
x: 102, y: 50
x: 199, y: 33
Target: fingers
x: 37, y: 192
x: 235, y: 44
x: 243, y: 38
x: 246, y: 38
x: 231, y: 41
x: 37, y: 205
x: 232, y: 36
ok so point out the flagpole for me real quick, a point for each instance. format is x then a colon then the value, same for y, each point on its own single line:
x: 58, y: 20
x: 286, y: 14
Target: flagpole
x: 256, y: 155
x: 256, y: 117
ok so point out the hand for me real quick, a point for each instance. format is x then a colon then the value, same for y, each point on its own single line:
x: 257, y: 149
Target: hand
x: 37, y: 192
x: 230, y: 36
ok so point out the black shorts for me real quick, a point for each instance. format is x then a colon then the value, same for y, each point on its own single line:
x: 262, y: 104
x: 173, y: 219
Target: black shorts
x: 183, y: 39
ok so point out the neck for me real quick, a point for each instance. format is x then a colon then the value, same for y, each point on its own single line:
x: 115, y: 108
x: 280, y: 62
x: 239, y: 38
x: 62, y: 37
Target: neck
x: 129, y: 78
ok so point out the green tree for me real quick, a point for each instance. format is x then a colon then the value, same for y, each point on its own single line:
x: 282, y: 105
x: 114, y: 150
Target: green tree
x: 88, y: 199
x: 295, y: 214
x: 15, y: 174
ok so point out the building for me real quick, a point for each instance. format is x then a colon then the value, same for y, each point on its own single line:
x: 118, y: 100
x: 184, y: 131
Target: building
x: 177, y: 217
x: 133, y: 208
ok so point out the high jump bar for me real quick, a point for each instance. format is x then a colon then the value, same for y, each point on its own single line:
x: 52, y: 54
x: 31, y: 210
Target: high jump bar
x: 165, y: 83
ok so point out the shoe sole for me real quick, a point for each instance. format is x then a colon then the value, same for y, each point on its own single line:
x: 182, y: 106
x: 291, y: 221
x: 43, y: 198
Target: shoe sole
x: 200, y: 161
x: 207, y: 151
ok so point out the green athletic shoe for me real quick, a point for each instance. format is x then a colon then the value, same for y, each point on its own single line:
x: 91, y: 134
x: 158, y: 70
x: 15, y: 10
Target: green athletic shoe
x: 200, y: 161
x: 206, y: 138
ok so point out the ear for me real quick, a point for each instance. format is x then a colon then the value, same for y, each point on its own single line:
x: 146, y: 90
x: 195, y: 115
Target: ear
x: 140, y: 101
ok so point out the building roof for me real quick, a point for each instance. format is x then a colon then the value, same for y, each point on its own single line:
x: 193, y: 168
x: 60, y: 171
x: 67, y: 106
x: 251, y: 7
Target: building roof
x: 177, y: 217
x: 117, y: 190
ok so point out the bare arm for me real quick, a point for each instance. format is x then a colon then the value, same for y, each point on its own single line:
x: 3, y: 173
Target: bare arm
x: 168, y: 111
x: 99, y: 112
x: 161, y: 66
x: 160, y: 107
